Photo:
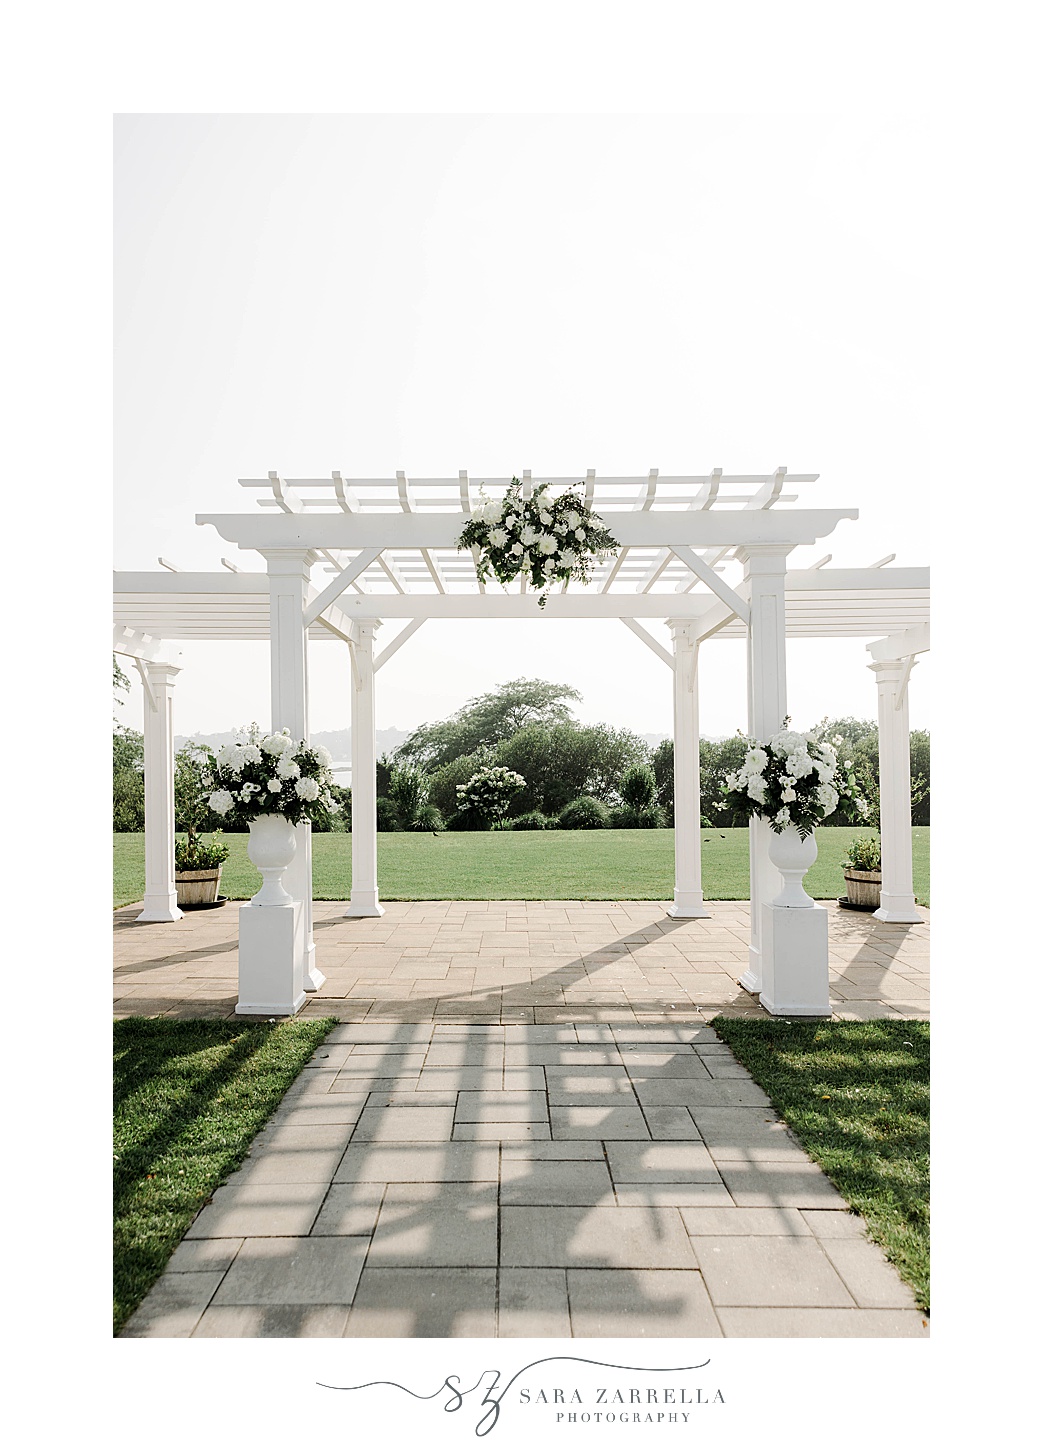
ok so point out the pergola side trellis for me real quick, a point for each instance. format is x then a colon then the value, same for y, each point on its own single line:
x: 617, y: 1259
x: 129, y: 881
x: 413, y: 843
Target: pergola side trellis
x: 706, y: 554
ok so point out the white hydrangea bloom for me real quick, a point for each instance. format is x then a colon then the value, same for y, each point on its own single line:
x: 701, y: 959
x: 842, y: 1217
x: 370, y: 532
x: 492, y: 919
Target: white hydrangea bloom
x: 251, y: 755
x: 828, y: 798
x: 307, y: 789
x: 528, y: 535
x: 757, y: 758
x: 323, y: 755
x: 783, y: 817
x: 288, y: 768
x: 277, y: 743
x: 757, y: 788
x: 799, y: 765
x: 786, y: 743
x: 825, y: 770
x: 567, y: 558
x: 221, y: 802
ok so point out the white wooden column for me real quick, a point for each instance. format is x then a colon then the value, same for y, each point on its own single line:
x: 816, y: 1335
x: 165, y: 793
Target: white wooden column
x: 160, y: 891
x: 765, y: 575
x: 897, y: 901
x: 688, y: 883
x: 365, y: 897
x: 289, y: 573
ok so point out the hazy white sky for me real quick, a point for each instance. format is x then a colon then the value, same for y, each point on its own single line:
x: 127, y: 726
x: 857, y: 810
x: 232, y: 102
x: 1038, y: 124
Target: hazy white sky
x: 495, y: 293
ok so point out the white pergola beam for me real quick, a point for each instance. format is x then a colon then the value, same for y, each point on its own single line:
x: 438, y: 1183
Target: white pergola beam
x: 650, y: 641
x: 724, y: 592
x: 397, y: 643
x: 634, y: 528
x: 348, y: 575
x: 896, y: 647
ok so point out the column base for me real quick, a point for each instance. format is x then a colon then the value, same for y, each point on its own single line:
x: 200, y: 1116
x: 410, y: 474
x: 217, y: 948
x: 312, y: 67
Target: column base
x: 753, y: 977
x: 364, y: 904
x: 897, y: 909
x: 688, y: 904
x: 313, y: 978
x: 270, y: 1010
x: 160, y: 907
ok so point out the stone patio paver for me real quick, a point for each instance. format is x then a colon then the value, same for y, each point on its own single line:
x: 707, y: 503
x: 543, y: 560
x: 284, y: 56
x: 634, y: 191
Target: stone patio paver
x: 551, y: 1143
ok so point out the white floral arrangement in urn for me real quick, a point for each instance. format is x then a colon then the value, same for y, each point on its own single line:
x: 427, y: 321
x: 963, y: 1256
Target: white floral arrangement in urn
x: 793, y: 780
x: 271, y: 776
x: 543, y: 539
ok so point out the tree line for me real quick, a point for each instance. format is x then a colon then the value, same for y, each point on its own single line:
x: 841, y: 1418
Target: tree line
x: 573, y: 776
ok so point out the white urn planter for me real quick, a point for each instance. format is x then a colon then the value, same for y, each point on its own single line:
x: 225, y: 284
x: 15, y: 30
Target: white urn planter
x: 792, y: 856
x: 271, y: 848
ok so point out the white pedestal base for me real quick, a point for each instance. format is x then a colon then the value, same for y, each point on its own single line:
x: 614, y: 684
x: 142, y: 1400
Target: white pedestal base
x: 160, y: 907
x: 753, y: 978
x: 687, y: 904
x: 271, y: 960
x: 364, y: 904
x: 795, y: 961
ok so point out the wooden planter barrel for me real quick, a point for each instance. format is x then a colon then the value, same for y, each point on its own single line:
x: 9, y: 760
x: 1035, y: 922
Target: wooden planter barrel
x: 196, y: 887
x: 863, y: 888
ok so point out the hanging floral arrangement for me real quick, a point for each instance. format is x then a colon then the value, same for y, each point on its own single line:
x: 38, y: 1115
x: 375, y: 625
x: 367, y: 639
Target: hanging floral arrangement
x: 793, y: 780
x: 542, y: 539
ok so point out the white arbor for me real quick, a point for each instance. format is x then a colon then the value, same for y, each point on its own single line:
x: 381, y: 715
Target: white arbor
x: 705, y: 554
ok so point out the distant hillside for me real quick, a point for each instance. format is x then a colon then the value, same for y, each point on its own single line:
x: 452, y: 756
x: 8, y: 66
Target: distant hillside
x: 338, y: 743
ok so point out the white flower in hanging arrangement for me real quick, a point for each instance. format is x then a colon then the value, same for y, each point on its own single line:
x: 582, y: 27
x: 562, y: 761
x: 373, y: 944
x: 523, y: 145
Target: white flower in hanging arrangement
x: 547, y: 540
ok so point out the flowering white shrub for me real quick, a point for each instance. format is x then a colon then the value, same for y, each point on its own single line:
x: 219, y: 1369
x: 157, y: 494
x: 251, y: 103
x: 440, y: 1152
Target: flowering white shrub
x: 793, y: 780
x: 489, y: 792
x: 276, y: 776
x: 542, y: 538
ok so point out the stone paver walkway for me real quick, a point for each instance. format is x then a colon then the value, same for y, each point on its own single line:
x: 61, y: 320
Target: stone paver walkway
x: 524, y: 1126
x: 518, y: 962
x: 427, y: 1179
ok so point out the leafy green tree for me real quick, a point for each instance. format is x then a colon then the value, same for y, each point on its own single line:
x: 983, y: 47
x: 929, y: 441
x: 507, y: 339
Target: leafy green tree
x: 444, y: 781
x: 717, y: 760
x: 568, y: 760
x: 410, y: 791
x: 637, y: 787
x: 663, y: 766
x: 488, y: 720
x: 128, y: 780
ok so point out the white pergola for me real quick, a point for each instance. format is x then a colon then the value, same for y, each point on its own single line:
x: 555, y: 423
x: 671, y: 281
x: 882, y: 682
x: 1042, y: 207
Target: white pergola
x: 706, y: 554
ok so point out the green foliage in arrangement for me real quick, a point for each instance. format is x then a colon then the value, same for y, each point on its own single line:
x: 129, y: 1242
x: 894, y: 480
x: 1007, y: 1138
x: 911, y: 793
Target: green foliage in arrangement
x: 546, y: 539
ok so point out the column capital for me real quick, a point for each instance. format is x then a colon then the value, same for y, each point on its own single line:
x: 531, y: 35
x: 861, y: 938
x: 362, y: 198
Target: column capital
x: 296, y: 563
x: 160, y: 672
x: 682, y: 632
x: 767, y: 558
x: 365, y: 629
x: 886, y: 669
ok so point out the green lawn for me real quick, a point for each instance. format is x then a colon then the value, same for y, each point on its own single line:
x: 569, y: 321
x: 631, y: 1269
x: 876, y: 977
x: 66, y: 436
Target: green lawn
x: 189, y: 1097
x: 856, y: 1096
x: 527, y: 865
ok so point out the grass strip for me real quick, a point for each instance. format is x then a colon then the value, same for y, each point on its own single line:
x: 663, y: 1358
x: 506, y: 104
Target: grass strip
x: 468, y: 866
x: 857, y: 1097
x: 189, y: 1096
